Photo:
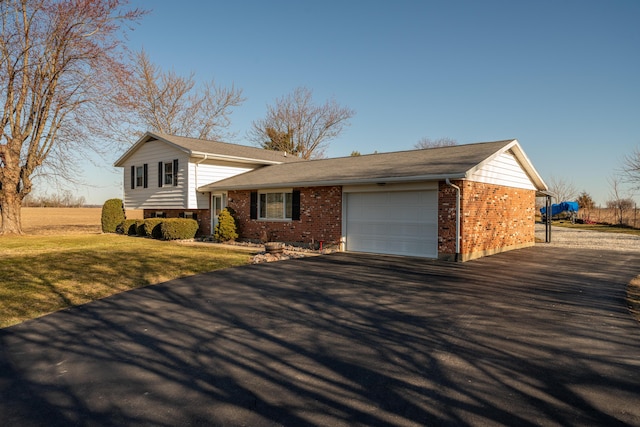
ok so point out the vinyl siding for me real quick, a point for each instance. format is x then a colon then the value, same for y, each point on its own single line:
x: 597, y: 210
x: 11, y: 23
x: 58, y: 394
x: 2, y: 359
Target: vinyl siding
x: 206, y: 172
x: 154, y: 197
x: 503, y: 170
x: 190, y: 177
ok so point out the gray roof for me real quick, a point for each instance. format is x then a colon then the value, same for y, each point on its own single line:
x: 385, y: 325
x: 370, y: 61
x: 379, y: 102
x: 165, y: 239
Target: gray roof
x: 212, y: 149
x: 404, y: 166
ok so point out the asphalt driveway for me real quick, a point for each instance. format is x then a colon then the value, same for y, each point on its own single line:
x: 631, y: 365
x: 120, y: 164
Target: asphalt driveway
x: 539, y: 336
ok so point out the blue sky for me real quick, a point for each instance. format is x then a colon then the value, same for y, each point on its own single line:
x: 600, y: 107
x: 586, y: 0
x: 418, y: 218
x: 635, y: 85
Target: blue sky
x: 562, y: 77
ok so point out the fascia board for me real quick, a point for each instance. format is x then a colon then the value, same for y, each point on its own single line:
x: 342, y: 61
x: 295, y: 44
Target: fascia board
x: 387, y: 180
x: 233, y: 158
x: 142, y: 140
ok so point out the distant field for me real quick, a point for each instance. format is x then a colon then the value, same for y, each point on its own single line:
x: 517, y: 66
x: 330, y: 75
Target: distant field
x: 65, y: 220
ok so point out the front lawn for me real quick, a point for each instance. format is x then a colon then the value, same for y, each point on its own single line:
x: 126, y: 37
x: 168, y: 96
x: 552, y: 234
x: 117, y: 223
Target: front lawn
x: 43, y: 274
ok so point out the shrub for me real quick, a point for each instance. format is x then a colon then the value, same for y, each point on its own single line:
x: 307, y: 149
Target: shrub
x: 128, y: 227
x: 150, y: 227
x: 226, y: 229
x: 112, y: 215
x: 178, y: 228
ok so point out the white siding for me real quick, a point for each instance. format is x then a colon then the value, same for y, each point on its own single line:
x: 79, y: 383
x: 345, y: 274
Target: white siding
x: 154, y: 197
x: 191, y: 175
x: 206, y: 172
x: 503, y: 170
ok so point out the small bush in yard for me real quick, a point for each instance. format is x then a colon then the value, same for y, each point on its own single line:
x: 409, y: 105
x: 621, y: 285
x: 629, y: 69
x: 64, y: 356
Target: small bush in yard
x: 178, y: 228
x: 128, y: 227
x: 112, y: 215
x: 150, y: 227
x: 226, y: 229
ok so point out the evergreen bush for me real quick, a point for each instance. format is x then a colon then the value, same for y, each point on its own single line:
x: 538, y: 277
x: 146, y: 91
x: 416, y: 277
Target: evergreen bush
x: 129, y: 227
x: 178, y: 228
x: 226, y: 229
x: 112, y: 215
x: 150, y: 227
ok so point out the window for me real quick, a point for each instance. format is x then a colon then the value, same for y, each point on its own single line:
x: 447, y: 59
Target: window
x: 275, y: 206
x: 168, y: 173
x: 139, y: 176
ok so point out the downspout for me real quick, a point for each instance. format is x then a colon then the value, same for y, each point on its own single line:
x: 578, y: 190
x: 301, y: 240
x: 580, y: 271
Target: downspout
x: 198, y: 164
x: 457, y: 217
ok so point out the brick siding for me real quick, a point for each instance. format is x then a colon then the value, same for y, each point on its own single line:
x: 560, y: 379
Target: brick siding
x: 203, y: 216
x: 493, y: 219
x: 320, y: 218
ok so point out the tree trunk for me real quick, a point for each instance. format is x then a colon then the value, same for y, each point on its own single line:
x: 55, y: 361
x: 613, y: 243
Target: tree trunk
x: 10, y: 206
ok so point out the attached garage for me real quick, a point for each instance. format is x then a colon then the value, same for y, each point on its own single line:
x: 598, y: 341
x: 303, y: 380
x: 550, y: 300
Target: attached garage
x: 450, y: 203
x: 392, y: 222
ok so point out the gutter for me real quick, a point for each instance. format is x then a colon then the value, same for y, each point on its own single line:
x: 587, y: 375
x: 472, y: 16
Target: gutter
x: 457, y: 217
x: 219, y: 185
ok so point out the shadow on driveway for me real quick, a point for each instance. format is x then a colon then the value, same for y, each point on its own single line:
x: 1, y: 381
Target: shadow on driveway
x: 539, y: 336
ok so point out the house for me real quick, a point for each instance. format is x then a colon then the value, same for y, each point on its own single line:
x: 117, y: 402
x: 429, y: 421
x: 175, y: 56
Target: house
x: 162, y: 174
x: 454, y: 203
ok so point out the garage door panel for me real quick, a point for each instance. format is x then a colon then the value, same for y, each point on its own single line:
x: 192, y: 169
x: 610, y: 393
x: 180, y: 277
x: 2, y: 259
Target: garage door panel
x: 402, y: 223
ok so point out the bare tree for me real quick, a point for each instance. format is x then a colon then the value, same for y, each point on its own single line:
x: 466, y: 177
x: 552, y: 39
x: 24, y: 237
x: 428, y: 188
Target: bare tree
x: 174, y: 104
x: 60, y: 77
x: 435, y: 143
x: 618, y: 202
x: 296, y: 125
x: 562, y: 190
x: 632, y: 167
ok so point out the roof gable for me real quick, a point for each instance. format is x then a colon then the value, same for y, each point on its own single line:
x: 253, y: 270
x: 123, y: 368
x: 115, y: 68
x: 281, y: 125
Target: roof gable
x: 455, y: 162
x: 211, y: 150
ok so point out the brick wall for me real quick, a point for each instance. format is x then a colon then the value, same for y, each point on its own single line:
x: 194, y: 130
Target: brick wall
x: 494, y: 219
x: 203, y: 216
x: 320, y: 218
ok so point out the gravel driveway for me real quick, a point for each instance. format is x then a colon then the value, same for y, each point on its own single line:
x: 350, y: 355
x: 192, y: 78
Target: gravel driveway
x: 563, y: 237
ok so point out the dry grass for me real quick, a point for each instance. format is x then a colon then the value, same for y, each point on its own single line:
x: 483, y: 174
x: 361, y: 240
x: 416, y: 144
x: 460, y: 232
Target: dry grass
x: 48, y: 221
x: 65, y: 260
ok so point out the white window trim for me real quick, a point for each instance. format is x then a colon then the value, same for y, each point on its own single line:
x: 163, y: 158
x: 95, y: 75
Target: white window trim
x: 141, y: 176
x: 165, y: 174
x: 284, y: 192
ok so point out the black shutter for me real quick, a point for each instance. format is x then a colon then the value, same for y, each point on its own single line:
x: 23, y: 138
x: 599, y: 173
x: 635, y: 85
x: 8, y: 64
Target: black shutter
x: 253, y: 212
x: 295, y: 205
x: 146, y: 176
x: 175, y: 172
x: 160, y: 171
x: 133, y: 177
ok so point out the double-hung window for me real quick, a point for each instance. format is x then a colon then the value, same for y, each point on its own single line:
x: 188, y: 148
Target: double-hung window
x: 275, y: 205
x: 168, y: 173
x: 139, y: 176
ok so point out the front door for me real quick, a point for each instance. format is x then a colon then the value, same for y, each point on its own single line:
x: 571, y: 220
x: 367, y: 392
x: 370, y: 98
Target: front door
x: 217, y: 204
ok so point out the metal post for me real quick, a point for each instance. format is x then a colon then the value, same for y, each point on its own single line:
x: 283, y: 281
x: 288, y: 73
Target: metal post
x: 548, y: 221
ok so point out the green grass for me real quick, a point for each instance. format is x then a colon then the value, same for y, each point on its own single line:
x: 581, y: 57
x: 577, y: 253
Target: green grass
x: 598, y: 227
x: 43, y: 274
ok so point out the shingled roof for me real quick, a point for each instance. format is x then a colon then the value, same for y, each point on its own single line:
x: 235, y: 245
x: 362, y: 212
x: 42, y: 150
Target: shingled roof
x: 211, y: 150
x: 453, y: 162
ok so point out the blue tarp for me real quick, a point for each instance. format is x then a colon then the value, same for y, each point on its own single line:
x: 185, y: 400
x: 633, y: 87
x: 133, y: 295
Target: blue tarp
x: 558, y: 208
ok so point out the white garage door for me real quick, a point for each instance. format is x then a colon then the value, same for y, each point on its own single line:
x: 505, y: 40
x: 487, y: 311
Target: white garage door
x: 394, y: 222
